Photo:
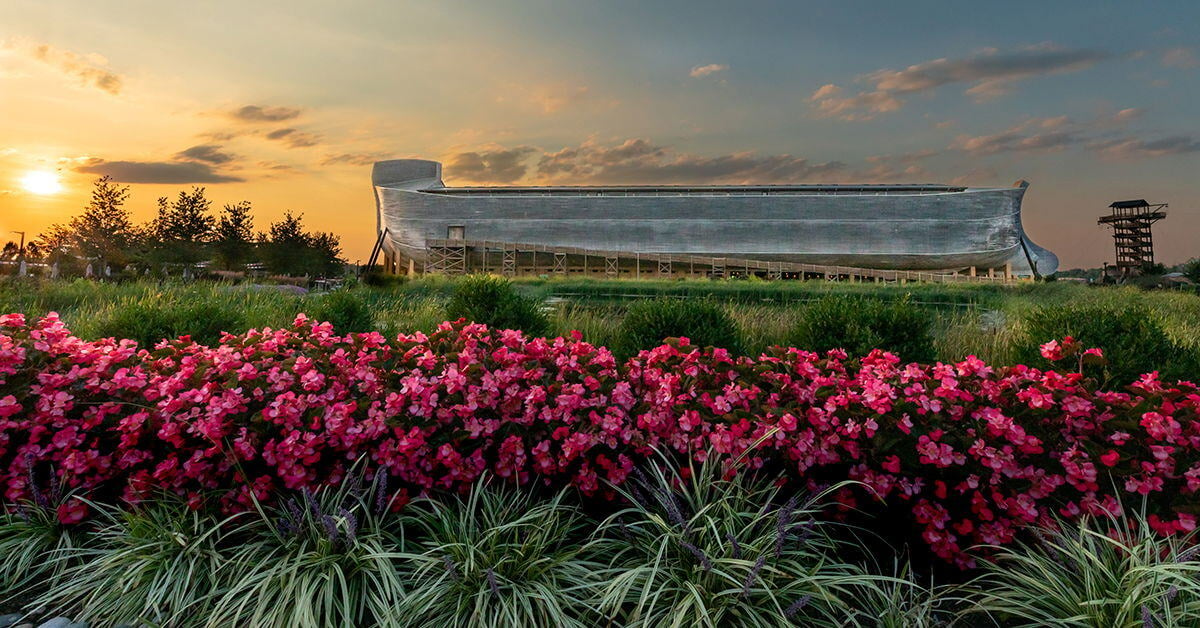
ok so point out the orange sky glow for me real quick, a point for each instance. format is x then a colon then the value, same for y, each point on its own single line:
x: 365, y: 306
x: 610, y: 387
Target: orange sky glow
x: 287, y: 105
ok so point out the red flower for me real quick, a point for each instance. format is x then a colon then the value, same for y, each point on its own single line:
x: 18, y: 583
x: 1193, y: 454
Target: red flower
x: 1110, y: 458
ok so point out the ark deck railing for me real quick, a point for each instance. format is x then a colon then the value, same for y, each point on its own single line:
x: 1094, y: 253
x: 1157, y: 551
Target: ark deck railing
x: 457, y: 257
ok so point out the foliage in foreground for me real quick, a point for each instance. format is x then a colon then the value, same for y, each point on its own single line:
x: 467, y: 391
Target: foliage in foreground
x: 500, y: 558
x: 1101, y: 572
x: 323, y: 558
x: 969, y: 452
x: 692, y: 546
x: 699, y: 549
x: 156, y: 565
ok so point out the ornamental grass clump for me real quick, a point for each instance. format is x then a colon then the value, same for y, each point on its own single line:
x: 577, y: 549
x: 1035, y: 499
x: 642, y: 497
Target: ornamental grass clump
x: 35, y: 550
x: 499, y: 558
x: 1097, y: 572
x: 323, y: 558
x: 697, y: 548
x: 161, y: 563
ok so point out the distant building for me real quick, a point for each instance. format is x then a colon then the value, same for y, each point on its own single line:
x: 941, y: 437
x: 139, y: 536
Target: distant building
x: 906, y: 227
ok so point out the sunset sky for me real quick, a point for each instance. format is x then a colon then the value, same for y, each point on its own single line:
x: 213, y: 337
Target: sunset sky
x: 286, y: 104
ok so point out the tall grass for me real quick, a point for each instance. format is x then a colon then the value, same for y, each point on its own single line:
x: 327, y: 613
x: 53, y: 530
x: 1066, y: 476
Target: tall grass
x: 989, y: 321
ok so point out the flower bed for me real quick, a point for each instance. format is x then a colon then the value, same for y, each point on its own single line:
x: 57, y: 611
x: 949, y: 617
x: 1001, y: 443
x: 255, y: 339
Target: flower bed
x: 973, y: 452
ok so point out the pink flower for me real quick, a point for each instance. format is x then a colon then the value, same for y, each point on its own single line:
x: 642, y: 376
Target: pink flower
x: 1052, y: 351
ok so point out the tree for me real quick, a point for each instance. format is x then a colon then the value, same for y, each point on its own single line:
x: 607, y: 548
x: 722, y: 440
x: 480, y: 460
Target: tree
x: 55, y: 244
x: 327, y: 253
x: 290, y: 250
x: 11, y: 251
x: 233, y: 237
x: 1191, y: 269
x: 104, y: 230
x: 183, y: 229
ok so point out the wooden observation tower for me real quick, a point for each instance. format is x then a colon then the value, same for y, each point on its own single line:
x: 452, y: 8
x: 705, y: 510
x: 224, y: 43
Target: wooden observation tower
x: 1130, y: 222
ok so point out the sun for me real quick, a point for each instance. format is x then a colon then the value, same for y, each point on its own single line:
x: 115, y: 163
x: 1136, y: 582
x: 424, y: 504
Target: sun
x: 41, y: 182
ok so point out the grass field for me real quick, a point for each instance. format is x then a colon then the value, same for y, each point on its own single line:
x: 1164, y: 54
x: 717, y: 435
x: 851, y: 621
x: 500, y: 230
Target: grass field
x: 987, y: 321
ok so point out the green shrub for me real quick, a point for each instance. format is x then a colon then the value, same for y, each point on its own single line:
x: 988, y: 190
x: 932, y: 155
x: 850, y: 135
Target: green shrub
x: 705, y: 323
x: 149, y: 321
x: 494, y: 301
x: 347, y: 311
x: 860, y: 325
x: 1133, y: 340
x: 499, y: 558
x: 144, y: 323
x: 1097, y: 572
x: 205, y: 321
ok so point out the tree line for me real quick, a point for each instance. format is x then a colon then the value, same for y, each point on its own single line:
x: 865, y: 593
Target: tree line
x: 184, y: 235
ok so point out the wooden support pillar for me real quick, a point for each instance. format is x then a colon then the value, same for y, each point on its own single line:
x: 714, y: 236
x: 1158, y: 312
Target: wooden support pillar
x: 1008, y: 271
x: 972, y: 271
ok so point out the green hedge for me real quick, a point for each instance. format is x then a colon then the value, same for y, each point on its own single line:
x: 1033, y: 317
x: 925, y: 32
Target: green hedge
x: 704, y: 323
x: 859, y: 325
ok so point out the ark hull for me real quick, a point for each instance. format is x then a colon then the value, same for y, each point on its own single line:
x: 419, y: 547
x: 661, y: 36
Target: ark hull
x: 921, y: 227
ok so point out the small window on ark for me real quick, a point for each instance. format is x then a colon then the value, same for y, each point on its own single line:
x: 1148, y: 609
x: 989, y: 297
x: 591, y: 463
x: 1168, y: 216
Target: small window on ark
x: 456, y: 232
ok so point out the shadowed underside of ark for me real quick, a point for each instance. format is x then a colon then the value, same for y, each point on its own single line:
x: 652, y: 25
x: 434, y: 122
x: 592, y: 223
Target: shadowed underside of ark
x: 920, y: 232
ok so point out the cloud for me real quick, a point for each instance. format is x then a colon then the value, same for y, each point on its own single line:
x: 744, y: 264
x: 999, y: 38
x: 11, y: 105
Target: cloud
x: 1046, y: 134
x: 294, y: 138
x: 1126, y: 115
x: 89, y: 69
x: 702, y: 71
x: 1180, y: 58
x: 354, y: 159
x: 210, y: 153
x: 974, y: 176
x: 1104, y: 135
x: 155, y: 171
x: 639, y: 161
x: 1012, y: 141
x: 260, y: 113
x: 492, y: 165
x: 990, y: 73
x: 862, y: 106
x: 1134, y: 148
x: 894, y: 168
